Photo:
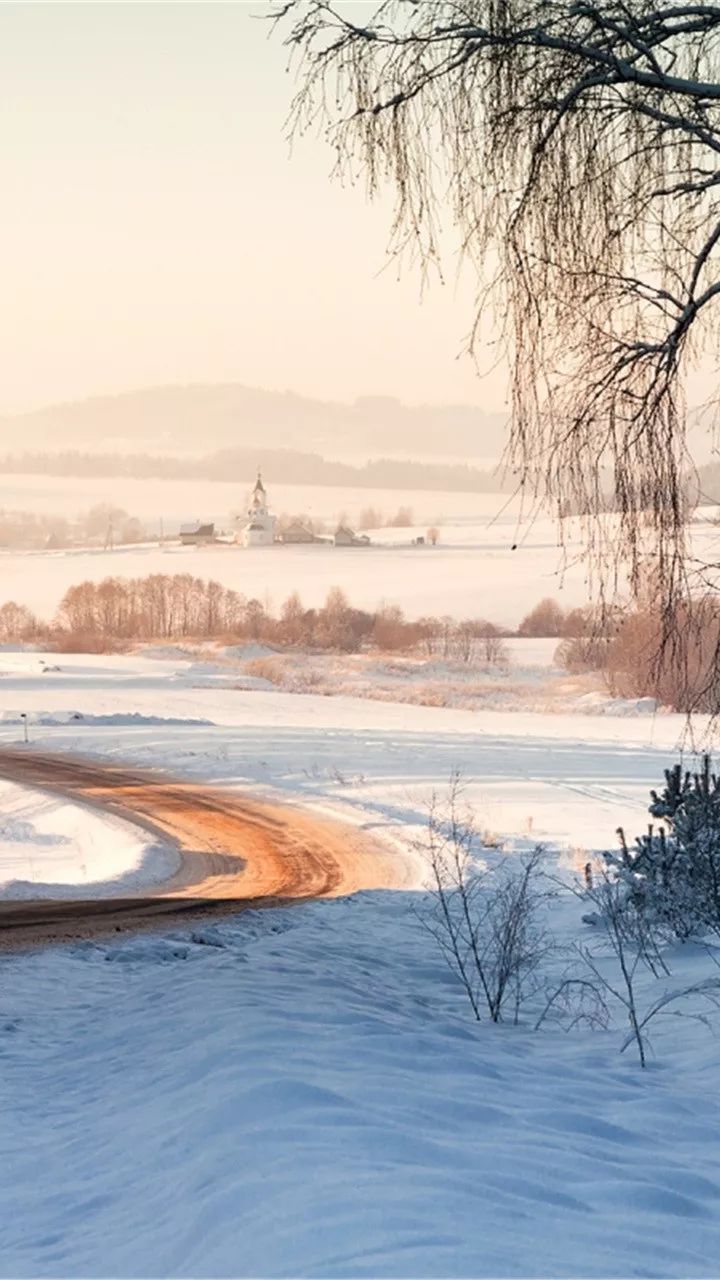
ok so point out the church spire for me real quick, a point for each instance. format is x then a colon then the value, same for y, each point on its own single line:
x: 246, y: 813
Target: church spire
x: 258, y: 501
x: 260, y: 528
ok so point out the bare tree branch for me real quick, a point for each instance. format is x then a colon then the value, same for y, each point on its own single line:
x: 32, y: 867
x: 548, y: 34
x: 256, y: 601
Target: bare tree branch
x: 573, y: 148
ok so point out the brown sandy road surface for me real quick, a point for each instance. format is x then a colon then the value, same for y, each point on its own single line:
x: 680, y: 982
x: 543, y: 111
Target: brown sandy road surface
x: 234, y: 852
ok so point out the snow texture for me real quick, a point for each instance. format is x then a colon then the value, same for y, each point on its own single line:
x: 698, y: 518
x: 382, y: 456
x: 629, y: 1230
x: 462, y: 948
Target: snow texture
x: 51, y: 848
x: 303, y: 1092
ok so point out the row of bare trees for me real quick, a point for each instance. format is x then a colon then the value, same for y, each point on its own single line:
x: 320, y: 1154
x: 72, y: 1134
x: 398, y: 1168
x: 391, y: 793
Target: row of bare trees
x: 373, y: 518
x: 159, y: 606
x: 623, y: 647
x: 30, y: 530
x: 549, y: 619
x: 115, y: 611
x: 339, y: 626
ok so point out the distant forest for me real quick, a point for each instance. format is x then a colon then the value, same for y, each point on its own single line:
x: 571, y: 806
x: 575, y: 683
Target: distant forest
x: 282, y: 466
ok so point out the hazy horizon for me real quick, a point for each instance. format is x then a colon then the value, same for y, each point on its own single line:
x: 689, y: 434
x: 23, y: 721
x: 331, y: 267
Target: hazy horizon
x: 158, y: 231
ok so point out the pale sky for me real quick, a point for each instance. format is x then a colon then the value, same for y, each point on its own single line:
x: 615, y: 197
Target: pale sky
x: 156, y: 230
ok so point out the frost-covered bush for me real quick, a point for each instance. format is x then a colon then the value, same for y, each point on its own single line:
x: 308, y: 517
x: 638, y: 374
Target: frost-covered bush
x: 672, y: 874
x: 684, y: 674
x: 488, y: 923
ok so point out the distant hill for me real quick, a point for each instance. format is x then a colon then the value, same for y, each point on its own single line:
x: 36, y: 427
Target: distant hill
x: 199, y: 418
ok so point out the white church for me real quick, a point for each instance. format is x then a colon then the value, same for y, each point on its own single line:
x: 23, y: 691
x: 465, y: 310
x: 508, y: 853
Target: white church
x: 260, y: 528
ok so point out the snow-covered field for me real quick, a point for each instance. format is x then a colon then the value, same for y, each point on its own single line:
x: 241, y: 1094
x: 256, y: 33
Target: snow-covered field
x: 462, y: 579
x: 497, y: 557
x: 465, y: 575
x: 303, y: 1092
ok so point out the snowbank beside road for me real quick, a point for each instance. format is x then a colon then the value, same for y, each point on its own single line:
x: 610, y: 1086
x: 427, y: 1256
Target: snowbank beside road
x: 50, y: 848
x: 47, y: 719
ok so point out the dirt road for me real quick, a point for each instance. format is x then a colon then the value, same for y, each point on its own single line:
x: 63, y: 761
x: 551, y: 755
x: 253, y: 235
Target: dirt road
x: 234, y: 852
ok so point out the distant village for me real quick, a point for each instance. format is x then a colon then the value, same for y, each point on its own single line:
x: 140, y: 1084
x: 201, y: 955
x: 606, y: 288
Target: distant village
x: 259, y: 528
x: 107, y: 527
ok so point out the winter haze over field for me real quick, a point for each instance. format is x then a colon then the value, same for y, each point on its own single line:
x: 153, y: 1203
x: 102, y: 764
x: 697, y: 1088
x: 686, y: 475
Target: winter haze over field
x: 466, y: 573
x: 496, y: 557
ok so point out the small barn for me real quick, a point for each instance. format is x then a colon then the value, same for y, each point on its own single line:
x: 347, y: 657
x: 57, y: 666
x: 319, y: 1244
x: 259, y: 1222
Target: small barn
x: 345, y: 537
x: 297, y: 533
x: 197, y: 534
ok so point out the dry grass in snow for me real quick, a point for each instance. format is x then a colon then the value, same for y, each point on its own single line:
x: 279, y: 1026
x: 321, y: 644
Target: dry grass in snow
x: 433, y: 683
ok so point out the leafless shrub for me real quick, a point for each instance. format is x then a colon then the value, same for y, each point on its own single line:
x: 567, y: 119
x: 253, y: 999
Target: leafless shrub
x: 469, y: 640
x: 474, y: 638
x: 682, y: 673
x: 487, y: 924
x: 64, y: 640
x: 345, y: 779
x: 494, y: 650
x: 582, y: 653
x: 489, y: 927
x: 575, y: 1002
x: 634, y: 947
x: 392, y: 633
x: 270, y: 668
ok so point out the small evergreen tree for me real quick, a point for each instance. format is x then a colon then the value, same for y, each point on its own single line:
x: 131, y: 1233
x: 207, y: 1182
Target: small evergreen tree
x: 672, y: 874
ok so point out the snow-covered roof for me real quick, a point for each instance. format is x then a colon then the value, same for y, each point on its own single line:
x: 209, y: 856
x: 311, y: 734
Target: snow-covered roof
x: 197, y: 526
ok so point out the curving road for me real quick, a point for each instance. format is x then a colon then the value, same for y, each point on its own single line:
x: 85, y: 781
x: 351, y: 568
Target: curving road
x: 234, y: 852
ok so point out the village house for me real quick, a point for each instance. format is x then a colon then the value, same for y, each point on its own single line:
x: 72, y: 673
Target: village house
x: 345, y: 537
x: 197, y: 534
x: 297, y: 533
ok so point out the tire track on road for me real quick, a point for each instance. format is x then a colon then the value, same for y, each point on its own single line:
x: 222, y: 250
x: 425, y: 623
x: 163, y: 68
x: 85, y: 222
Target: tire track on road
x: 235, y: 852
